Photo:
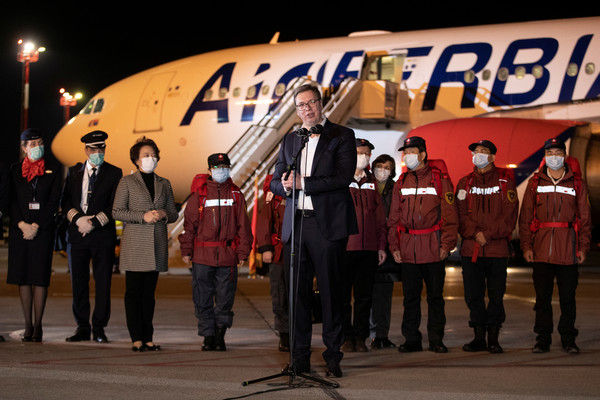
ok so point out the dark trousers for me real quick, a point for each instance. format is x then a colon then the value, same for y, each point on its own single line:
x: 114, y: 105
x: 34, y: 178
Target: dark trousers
x: 279, y: 276
x: 413, y: 276
x: 359, y: 273
x: 487, y: 273
x: 213, y: 291
x: 316, y: 255
x: 102, y: 258
x: 567, y: 277
x: 381, y: 304
x: 139, y: 304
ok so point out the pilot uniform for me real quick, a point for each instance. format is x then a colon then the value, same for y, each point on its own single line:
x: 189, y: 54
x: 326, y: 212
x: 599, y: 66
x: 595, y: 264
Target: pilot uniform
x: 89, y: 191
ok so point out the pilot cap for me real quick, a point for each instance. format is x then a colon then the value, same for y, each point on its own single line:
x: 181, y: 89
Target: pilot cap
x: 364, y: 142
x: 95, y: 139
x: 218, y: 159
x: 555, y: 143
x: 414, y: 141
x: 31, y: 134
x: 485, y: 143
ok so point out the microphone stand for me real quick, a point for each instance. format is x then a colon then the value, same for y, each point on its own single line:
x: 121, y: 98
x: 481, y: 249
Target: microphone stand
x: 290, y: 369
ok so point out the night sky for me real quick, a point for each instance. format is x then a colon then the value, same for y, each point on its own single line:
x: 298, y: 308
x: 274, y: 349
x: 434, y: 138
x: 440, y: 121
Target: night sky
x: 89, y: 49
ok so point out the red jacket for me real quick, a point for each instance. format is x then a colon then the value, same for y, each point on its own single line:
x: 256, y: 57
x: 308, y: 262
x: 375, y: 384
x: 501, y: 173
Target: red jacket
x: 422, y: 210
x: 268, y: 227
x: 370, y: 215
x: 488, y: 205
x: 216, y: 232
x: 555, y: 203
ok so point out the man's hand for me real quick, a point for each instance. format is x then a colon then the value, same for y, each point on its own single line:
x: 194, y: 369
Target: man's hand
x: 528, y: 255
x: 443, y: 254
x: 479, y: 238
x: 581, y: 257
x: 382, y: 256
x: 288, y: 183
x: 186, y: 259
x: 397, y: 256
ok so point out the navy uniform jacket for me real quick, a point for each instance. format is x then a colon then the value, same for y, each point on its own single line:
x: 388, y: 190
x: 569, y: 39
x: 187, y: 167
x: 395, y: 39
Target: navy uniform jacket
x: 333, y: 169
x: 100, y: 205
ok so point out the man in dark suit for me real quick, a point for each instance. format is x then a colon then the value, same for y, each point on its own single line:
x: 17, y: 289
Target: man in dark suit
x: 324, y: 218
x: 87, y: 200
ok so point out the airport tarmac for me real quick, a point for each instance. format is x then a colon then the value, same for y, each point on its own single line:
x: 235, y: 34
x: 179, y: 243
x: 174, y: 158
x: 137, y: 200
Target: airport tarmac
x: 55, y: 369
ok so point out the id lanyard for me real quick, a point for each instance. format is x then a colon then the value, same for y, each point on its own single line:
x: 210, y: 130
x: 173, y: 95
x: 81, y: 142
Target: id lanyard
x: 34, y: 205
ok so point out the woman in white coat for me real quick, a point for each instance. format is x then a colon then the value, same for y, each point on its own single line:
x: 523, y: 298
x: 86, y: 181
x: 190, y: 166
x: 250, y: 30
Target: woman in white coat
x: 144, y: 202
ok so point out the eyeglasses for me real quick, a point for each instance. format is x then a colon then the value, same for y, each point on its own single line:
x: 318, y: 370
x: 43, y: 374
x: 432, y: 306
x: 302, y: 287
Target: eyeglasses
x: 308, y: 104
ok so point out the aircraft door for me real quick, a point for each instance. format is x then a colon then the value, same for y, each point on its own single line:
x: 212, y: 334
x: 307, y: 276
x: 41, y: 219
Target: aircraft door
x: 149, y: 111
x: 384, y: 66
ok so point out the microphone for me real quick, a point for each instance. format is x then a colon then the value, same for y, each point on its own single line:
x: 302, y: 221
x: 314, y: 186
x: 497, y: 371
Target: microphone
x: 302, y: 132
x: 316, y: 130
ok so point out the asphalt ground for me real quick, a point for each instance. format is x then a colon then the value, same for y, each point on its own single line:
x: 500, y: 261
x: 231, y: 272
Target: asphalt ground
x: 55, y: 369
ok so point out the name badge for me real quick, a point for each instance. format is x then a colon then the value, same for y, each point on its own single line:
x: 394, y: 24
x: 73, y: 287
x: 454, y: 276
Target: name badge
x: 34, y: 205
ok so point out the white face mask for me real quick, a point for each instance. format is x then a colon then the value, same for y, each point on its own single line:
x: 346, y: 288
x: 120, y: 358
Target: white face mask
x: 481, y: 160
x: 220, y: 175
x: 555, y: 162
x: 381, y: 174
x: 149, y: 164
x: 362, y: 161
x: 411, y: 161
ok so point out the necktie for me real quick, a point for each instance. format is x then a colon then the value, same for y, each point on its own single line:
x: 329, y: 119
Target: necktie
x: 91, y: 184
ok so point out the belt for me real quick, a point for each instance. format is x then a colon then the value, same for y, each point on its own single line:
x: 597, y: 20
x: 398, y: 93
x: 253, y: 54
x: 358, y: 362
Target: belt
x: 305, y: 213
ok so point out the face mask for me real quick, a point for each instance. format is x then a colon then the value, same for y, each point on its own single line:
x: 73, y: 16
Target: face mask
x: 96, y: 159
x: 149, y: 164
x: 35, y: 153
x: 555, y: 162
x: 480, y: 160
x: 382, y: 174
x: 220, y: 175
x: 411, y: 161
x: 362, y: 160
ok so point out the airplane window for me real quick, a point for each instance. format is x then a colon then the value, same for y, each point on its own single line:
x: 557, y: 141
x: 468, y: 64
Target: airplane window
x: 251, y: 92
x: 520, y: 72
x: 572, y: 69
x: 222, y: 93
x: 280, y: 89
x: 469, y: 76
x: 538, y: 71
x: 265, y: 89
x: 88, y: 107
x: 486, y: 74
x: 590, y: 68
x: 503, y: 74
x: 236, y: 92
x: 99, y: 105
x: 208, y: 94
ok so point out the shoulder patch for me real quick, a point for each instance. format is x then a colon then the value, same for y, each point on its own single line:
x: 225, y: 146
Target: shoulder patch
x: 449, y: 196
x: 512, y: 195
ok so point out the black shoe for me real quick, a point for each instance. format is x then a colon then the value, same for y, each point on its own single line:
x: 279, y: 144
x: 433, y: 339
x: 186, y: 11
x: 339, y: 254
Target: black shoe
x: 349, y: 346
x: 284, y: 342
x: 438, y: 347
x: 209, y: 343
x: 376, y: 343
x: 387, y: 343
x: 2, y: 339
x: 99, y: 336
x: 570, y: 347
x: 37, y: 334
x: 220, y: 339
x: 478, y: 343
x: 79, y: 336
x: 334, y: 371
x: 360, y: 346
x: 154, y: 347
x: 410, y: 347
x: 540, y: 347
x: 136, y: 349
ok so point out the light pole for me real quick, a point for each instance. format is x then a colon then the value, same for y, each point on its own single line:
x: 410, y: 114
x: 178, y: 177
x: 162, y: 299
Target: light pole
x: 67, y: 100
x: 27, y: 54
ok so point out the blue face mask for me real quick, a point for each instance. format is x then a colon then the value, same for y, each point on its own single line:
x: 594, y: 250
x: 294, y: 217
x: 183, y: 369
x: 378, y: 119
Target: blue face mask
x: 97, y: 159
x: 35, y: 153
x: 220, y: 175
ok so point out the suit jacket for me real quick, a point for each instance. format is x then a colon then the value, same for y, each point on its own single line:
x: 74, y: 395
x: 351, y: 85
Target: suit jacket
x: 144, y: 247
x: 332, y: 171
x: 100, y: 204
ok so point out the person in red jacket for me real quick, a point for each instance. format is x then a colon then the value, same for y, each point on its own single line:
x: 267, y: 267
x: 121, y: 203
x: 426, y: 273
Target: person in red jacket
x: 422, y: 230
x: 364, y: 252
x: 488, y: 208
x: 555, y: 233
x: 217, y: 237
x: 268, y: 243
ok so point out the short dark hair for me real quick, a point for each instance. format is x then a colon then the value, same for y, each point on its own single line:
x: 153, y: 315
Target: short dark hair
x: 382, y: 159
x: 134, y: 152
x: 305, y: 88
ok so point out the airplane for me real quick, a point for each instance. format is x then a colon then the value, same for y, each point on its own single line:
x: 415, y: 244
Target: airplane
x: 517, y: 84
